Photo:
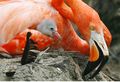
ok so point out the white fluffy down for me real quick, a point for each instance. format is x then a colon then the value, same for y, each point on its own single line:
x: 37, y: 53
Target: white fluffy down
x: 47, y: 26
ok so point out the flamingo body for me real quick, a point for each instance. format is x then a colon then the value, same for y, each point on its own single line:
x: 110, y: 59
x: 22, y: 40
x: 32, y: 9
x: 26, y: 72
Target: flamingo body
x: 27, y: 14
x: 21, y: 16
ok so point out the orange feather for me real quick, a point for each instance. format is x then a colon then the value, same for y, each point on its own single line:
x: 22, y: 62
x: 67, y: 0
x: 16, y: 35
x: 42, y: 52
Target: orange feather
x: 26, y: 14
x: 84, y: 16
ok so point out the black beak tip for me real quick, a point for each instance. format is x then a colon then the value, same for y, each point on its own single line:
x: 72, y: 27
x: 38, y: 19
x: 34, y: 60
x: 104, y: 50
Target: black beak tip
x: 102, y: 64
x: 99, y: 65
x: 29, y: 34
x: 26, y: 50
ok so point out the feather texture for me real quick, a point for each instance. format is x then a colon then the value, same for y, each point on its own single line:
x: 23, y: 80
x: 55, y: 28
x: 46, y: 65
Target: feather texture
x: 19, y: 15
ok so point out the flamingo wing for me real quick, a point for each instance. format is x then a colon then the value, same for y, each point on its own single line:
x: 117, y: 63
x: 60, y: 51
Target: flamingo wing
x: 17, y: 44
x: 19, y: 15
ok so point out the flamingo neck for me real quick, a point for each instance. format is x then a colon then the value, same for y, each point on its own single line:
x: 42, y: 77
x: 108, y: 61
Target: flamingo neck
x: 63, y: 9
x: 81, y: 18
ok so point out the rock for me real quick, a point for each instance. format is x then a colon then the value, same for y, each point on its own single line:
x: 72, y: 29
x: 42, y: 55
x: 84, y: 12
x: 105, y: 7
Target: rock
x: 53, y: 66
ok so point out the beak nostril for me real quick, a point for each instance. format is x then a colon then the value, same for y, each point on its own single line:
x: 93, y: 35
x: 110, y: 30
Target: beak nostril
x: 102, y: 46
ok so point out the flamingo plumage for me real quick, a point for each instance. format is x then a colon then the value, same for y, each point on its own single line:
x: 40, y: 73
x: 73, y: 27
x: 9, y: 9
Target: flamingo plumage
x: 17, y: 44
x: 17, y: 17
x: 91, y: 28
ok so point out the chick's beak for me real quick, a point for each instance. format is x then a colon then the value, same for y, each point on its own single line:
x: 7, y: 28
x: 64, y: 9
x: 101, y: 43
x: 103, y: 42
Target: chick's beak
x: 98, y: 54
x: 56, y: 35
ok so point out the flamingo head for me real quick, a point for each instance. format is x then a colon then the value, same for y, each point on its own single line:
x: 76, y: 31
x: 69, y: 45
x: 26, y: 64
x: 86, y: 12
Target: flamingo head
x: 49, y: 28
x: 98, y: 53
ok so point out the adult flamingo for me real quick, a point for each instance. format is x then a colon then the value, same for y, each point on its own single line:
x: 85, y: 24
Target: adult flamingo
x: 19, y: 15
x: 91, y: 28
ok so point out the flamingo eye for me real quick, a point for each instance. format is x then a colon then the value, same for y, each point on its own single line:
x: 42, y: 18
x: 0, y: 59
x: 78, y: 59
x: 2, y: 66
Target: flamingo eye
x: 51, y: 28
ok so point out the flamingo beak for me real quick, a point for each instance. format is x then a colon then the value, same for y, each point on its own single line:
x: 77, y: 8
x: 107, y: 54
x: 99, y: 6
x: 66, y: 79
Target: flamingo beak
x: 98, y: 55
x: 56, y: 35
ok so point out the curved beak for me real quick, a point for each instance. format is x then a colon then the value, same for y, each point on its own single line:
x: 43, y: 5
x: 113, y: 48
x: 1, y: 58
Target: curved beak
x: 98, y: 54
x: 56, y: 35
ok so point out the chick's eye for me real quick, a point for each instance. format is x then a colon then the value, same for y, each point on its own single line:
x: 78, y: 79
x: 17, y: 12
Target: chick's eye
x: 51, y: 28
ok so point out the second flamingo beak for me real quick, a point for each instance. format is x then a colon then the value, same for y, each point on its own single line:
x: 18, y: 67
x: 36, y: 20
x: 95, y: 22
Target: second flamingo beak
x: 98, y: 54
x: 56, y: 35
